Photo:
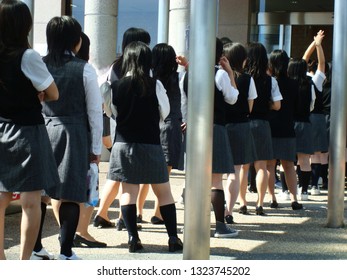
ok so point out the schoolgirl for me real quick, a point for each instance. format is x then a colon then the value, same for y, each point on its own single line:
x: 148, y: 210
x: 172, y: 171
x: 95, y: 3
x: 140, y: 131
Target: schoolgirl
x: 27, y: 164
x: 269, y: 98
x: 139, y: 103
x: 297, y: 70
x: 238, y: 128
x: 282, y: 128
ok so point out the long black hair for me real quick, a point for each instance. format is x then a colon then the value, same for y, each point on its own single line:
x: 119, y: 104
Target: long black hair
x: 132, y: 34
x: 257, y: 61
x: 236, y: 54
x: 137, y: 63
x: 278, y: 63
x: 63, y: 35
x: 164, y: 65
x: 297, y: 70
x: 15, y: 25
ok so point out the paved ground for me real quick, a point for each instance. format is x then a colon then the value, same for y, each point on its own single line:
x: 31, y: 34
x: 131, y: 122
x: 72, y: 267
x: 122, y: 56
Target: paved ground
x: 283, y: 234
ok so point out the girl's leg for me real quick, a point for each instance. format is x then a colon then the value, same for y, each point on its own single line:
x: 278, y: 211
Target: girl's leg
x: 243, y: 184
x: 232, y: 190
x: 262, y: 183
x: 30, y: 224
x: 144, y: 188
x: 271, y: 168
x: 305, y: 174
x: 5, y: 199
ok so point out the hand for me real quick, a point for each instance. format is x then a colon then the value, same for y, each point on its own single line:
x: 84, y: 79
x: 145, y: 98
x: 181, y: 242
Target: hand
x: 183, y: 127
x: 319, y: 37
x: 94, y: 159
x: 41, y: 96
x: 182, y: 60
x: 224, y: 63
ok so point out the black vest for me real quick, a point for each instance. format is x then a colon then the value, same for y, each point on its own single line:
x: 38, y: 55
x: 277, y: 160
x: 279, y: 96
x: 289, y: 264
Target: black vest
x: 137, y: 115
x: 18, y: 98
x: 239, y: 112
x: 261, y: 106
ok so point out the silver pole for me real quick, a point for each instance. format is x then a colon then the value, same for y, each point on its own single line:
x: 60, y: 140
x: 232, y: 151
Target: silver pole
x: 338, y: 118
x: 30, y: 4
x: 163, y: 21
x: 199, y: 129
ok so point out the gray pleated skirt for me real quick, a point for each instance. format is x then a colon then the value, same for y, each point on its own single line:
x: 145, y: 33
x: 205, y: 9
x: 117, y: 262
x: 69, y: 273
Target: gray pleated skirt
x: 27, y: 162
x: 137, y: 163
x: 261, y: 132
x: 284, y: 148
x: 171, y: 141
x: 303, y: 132
x: 319, y: 133
x: 222, y: 160
x: 70, y: 141
x: 241, y: 142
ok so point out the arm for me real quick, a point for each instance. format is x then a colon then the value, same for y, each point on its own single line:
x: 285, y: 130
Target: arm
x: 224, y: 62
x: 276, y: 95
x: 320, y: 53
x: 163, y: 100
x: 94, y: 111
x: 51, y: 93
x: 183, y: 61
x: 252, y: 94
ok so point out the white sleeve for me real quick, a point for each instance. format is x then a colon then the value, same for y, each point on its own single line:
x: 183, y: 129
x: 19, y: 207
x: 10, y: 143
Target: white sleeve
x: 36, y: 70
x: 163, y: 100
x: 223, y: 83
x: 252, y: 91
x: 275, y: 90
x: 94, y: 107
x: 184, y: 100
x: 318, y: 79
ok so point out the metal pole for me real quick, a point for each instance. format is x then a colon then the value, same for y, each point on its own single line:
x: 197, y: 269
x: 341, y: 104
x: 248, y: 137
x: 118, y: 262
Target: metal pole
x: 199, y: 129
x: 163, y: 21
x: 338, y: 118
x: 31, y: 5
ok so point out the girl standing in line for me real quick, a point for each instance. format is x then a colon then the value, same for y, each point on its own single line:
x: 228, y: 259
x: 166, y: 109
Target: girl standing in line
x: 74, y: 124
x: 269, y: 98
x: 27, y: 164
x: 238, y: 127
x: 297, y: 70
x: 282, y: 128
x: 139, y: 103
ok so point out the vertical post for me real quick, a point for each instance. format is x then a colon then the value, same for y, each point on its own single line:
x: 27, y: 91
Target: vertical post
x: 202, y: 44
x: 30, y: 4
x: 338, y: 118
x: 163, y: 21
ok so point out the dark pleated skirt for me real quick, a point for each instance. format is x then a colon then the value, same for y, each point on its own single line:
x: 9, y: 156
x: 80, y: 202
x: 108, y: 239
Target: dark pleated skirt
x: 303, y: 132
x: 171, y: 141
x: 70, y: 141
x: 284, y: 148
x: 319, y: 133
x: 241, y: 142
x: 222, y: 160
x: 137, y: 163
x: 261, y: 132
x: 27, y: 162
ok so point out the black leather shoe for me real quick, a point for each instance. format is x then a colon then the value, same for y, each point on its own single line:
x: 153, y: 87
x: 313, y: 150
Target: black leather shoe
x: 229, y: 219
x: 274, y: 204
x: 259, y: 211
x: 80, y: 241
x: 175, y: 244
x: 100, y: 222
x: 243, y: 210
x: 121, y: 225
x: 134, y: 244
x: 296, y: 205
x: 156, y: 221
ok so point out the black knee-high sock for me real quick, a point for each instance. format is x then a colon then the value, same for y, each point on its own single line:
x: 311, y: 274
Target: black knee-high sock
x: 324, y: 173
x: 298, y: 173
x: 168, y: 212
x: 69, y: 213
x: 305, y: 180
x: 283, y: 182
x: 38, y: 244
x: 129, y: 217
x: 217, y: 199
x: 315, y: 167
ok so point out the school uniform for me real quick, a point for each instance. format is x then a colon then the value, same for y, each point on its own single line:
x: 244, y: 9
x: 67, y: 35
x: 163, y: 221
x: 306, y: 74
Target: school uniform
x: 282, y: 121
x: 267, y: 90
x: 27, y: 162
x: 170, y: 129
x: 317, y: 117
x: 238, y: 123
x: 137, y: 156
x: 74, y: 124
